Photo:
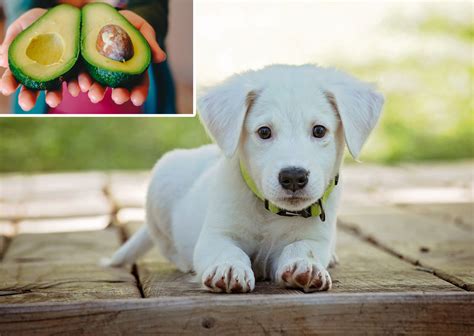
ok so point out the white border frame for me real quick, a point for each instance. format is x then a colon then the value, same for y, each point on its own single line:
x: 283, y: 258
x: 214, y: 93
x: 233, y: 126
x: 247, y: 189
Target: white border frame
x: 194, y: 114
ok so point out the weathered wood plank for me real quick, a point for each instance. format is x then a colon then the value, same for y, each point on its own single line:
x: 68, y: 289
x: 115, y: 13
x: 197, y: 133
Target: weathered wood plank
x: 459, y: 174
x: 7, y: 228
x: 128, y: 215
x: 41, y: 186
x: 367, y: 184
x: 366, y: 268
x: 61, y: 281
x: 387, y: 313
x: 461, y: 214
x: 373, y: 177
x: 428, y: 241
x: 90, y: 223
x: 362, y: 268
x: 68, y: 205
x: 128, y: 190
x: 71, y: 247
x: 63, y: 267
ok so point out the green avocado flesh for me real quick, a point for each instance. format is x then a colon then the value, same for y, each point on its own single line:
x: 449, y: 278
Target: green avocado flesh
x: 44, y: 54
x: 105, y: 70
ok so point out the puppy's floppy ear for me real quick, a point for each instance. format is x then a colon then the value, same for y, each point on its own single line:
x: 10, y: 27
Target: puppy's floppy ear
x: 223, y: 108
x: 359, y: 106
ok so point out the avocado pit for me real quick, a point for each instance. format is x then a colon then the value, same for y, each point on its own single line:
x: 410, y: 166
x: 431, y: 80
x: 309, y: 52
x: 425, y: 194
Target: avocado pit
x: 114, y: 43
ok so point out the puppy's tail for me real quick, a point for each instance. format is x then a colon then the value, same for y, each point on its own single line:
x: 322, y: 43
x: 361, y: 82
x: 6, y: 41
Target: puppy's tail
x: 133, y: 248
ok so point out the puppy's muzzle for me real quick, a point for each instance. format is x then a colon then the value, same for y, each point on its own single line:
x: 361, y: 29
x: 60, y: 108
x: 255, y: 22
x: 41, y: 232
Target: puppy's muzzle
x: 293, y: 178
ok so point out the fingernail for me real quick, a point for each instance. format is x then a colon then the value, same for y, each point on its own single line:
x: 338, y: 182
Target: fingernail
x: 82, y: 88
x: 92, y: 99
x: 136, y: 102
x: 26, y: 108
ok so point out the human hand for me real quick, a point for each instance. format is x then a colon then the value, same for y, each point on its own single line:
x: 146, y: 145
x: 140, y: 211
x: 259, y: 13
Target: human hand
x: 8, y: 83
x: 27, y: 98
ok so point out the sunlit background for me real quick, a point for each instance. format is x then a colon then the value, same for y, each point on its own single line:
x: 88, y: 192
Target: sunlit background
x: 420, y: 54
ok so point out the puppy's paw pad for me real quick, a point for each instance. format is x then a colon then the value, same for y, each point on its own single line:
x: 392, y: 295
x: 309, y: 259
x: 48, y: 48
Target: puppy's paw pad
x: 229, y: 278
x: 305, y: 275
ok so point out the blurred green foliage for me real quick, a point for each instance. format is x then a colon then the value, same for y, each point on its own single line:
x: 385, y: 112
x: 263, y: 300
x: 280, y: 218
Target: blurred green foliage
x: 57, y: 144
x: 428, y: 115
x: 429, y: 109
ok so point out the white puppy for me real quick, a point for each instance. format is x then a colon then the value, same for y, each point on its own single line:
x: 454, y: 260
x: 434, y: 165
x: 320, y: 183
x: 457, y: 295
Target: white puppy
x: 262, y: 203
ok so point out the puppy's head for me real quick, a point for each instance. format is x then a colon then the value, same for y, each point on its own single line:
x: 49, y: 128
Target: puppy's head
x: 288, y: 125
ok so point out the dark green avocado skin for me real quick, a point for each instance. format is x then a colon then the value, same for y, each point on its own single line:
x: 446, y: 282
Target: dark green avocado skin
x: 32, y: 84
x: 111, y: 78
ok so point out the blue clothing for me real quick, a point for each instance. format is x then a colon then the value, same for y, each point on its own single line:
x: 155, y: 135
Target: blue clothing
x: 162, y: 97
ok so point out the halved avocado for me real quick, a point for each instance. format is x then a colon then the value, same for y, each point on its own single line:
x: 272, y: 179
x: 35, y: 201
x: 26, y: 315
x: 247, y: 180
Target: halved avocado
x: 44, y: 54
x: 118, y: 67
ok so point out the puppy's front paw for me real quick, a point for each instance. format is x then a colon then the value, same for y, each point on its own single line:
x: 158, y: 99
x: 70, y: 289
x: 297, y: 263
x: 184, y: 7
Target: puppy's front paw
x: 229, y: 278
x: 304, y: 274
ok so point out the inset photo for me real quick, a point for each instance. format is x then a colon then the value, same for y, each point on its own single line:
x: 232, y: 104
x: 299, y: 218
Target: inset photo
x: 86, y: 57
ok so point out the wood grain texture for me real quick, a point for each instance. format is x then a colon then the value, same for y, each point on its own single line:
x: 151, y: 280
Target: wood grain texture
x: 436, y: 244
x: 458, y: 174
x: 366, y: 268
x: 369, y: 185
x: 414, y: 313
x: 29, y: 282
x: 73, y: 247
x: 461, y: 214
x: 362, y: 268
x: 53, y: 186
x: 63, y: 267
x: 68, y: 205
x: 128, y: 190
x: 52, y: 225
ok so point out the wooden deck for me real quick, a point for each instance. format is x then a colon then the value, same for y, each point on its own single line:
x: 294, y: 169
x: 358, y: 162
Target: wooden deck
x: 405, y: 243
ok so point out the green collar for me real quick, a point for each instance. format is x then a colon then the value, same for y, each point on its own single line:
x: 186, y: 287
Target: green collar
x: 313, y: 210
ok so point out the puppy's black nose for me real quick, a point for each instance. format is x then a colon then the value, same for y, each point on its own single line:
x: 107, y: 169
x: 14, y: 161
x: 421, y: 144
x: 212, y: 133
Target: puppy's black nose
x: 293, y: 178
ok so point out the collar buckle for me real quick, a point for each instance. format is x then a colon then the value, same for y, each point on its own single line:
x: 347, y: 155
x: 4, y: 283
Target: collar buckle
x: 305, y: 213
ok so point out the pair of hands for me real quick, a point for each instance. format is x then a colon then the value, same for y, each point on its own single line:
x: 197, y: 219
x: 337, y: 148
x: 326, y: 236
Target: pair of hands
x: 96, y: 92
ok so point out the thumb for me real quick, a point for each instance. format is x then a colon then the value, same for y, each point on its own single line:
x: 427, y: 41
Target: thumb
x: 16, y: 28
x: 12, y: 32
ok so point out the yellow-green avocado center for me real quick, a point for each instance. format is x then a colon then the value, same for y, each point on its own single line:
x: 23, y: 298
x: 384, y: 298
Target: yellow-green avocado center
x: 46, y: 49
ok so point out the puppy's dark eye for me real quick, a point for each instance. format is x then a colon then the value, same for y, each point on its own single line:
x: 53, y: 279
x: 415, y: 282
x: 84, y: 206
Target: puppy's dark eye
x: 264, y: 132
x: 319, y: 131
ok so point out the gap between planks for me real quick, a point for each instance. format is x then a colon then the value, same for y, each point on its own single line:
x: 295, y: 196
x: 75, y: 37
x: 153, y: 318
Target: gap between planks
x: 121, y: 230
x: 4, y: 242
